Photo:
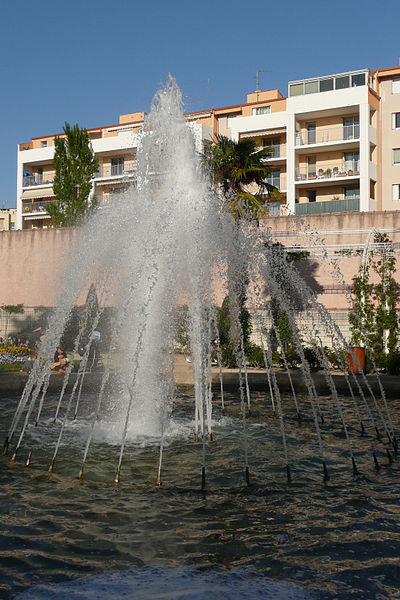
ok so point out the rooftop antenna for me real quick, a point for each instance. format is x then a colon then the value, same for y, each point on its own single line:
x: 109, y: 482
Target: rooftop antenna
x: 257, y: 78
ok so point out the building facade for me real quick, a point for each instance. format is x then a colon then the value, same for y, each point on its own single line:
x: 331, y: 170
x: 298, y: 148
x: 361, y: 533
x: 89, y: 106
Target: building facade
x: 335, y: 147
x: 8, y: 219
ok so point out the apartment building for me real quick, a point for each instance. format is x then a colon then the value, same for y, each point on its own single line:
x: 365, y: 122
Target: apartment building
x: 8, y: 219
x: 335, y: 146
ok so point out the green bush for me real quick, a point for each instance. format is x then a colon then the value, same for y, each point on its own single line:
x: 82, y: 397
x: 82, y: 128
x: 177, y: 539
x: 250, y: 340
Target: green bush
x: 312, y: 358
x: 393, y: 363
x: 254, y: 355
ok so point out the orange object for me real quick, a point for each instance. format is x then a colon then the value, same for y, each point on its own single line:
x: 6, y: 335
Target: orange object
x: 359, y: 354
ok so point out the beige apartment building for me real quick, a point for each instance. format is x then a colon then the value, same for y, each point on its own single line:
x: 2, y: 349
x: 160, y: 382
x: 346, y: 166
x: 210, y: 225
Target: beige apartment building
x: 335, y: 143
x: 8, y: 219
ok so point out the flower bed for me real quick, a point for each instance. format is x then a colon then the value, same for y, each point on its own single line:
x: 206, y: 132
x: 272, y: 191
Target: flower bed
x: 13, y: 354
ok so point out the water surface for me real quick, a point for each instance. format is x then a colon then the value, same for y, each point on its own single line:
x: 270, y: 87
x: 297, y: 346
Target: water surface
x: 269, y: 540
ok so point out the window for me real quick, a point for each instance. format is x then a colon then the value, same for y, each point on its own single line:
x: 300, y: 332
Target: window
x: 396, y: 192
x: 312, y: 195
x: 396, y: 156
x: 357, y: 80
x: 396, y: 86
x: 43, y: 144
x: 311, y: 133
x: 275, y: 143
x: 342, y: 82
x: 351, y: 193
x: 274, y: 178
x: 262, y: 110
x: 117, y: 166
x: 351, y: 128
x: 311, y: 166
x: 12, y: 225
x: 396, y: 120
x: 311, y: 87
x: 351, y: 162
x: 325, y: 85
x: 297, y: 89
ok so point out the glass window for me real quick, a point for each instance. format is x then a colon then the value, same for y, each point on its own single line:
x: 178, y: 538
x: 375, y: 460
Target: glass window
x: 325, y: 85
x: 396, y: 86
x: 351, y: 162
x: 342, y: 82
x: 274, y: 178
x: 312, y: 196
x: 43, y: 144
x: 296, y: 89
x: 311, y: 87
x: 262, y: 110
x: 117, y: 166
x: 396, y: 156
x: 350, y: 193
x: 351, y: 128
x: 396, y: 192
x: 396, y: 120
x: 357, y: 80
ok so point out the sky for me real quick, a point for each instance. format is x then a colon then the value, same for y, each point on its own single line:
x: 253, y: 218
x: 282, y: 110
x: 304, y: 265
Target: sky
x: 89, y: 61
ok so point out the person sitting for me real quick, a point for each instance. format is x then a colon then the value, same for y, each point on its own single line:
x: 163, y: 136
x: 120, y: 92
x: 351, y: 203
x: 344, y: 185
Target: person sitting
x: 60, y: 361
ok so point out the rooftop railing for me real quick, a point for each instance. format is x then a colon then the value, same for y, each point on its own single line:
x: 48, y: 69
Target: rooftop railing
x: 327, y: 135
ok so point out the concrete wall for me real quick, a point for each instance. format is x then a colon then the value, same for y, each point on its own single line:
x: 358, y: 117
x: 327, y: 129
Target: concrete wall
x: 32, y: 261
x: 32, y: 264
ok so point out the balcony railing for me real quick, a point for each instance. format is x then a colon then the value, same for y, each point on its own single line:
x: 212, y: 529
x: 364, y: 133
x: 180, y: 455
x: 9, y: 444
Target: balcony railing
x: 30, y: 180
x: 330, y: 206
x: 335, y: 170
x: 273, y: 209
x: 344, y: 133
x: 35, y: 207
x: 127, y: 170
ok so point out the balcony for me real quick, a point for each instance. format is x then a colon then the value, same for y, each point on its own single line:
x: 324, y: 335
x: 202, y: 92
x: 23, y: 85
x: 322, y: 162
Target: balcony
x: 30, y: 180
x: 331, y: 172
x: 126, y: 170
x: 329, y: 135
x: 330, y: 206
x: 29, y: 208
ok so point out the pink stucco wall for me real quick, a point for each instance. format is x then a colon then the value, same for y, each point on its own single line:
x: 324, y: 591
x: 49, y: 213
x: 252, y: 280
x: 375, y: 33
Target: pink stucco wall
x: 32, y: 261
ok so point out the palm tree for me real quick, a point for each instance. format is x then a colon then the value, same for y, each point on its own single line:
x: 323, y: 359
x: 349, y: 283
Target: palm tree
x: 235, y: 166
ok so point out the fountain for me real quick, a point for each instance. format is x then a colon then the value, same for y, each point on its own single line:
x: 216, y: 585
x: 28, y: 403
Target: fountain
x: 167, y: 242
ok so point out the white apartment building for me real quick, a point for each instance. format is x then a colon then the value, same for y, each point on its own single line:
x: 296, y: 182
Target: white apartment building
x: 335, y: 146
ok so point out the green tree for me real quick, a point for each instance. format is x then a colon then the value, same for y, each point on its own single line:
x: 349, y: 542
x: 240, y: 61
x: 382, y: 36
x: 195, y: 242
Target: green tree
x: 234, y: 166
x: 386, y: 295
x: 75, y: 165
x: 374, y: 319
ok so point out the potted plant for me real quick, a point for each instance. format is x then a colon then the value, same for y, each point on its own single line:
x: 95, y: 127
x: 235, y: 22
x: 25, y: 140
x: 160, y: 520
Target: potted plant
x: 342, y: 174
x: 350, y: 172
x: 335, y: 171
x: 320, y: 172
x: 328, y: 173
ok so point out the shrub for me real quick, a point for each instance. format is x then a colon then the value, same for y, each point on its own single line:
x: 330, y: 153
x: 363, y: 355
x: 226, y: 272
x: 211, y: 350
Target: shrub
x: 393, y: 363
x: 312, y: 358
x: 254, y: 355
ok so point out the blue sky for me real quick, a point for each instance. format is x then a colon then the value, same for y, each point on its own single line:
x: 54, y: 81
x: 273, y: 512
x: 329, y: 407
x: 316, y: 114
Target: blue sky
x: 87, y: 62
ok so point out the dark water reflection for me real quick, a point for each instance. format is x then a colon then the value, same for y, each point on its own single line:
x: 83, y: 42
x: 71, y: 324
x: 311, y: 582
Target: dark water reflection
x: 340, y: 540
